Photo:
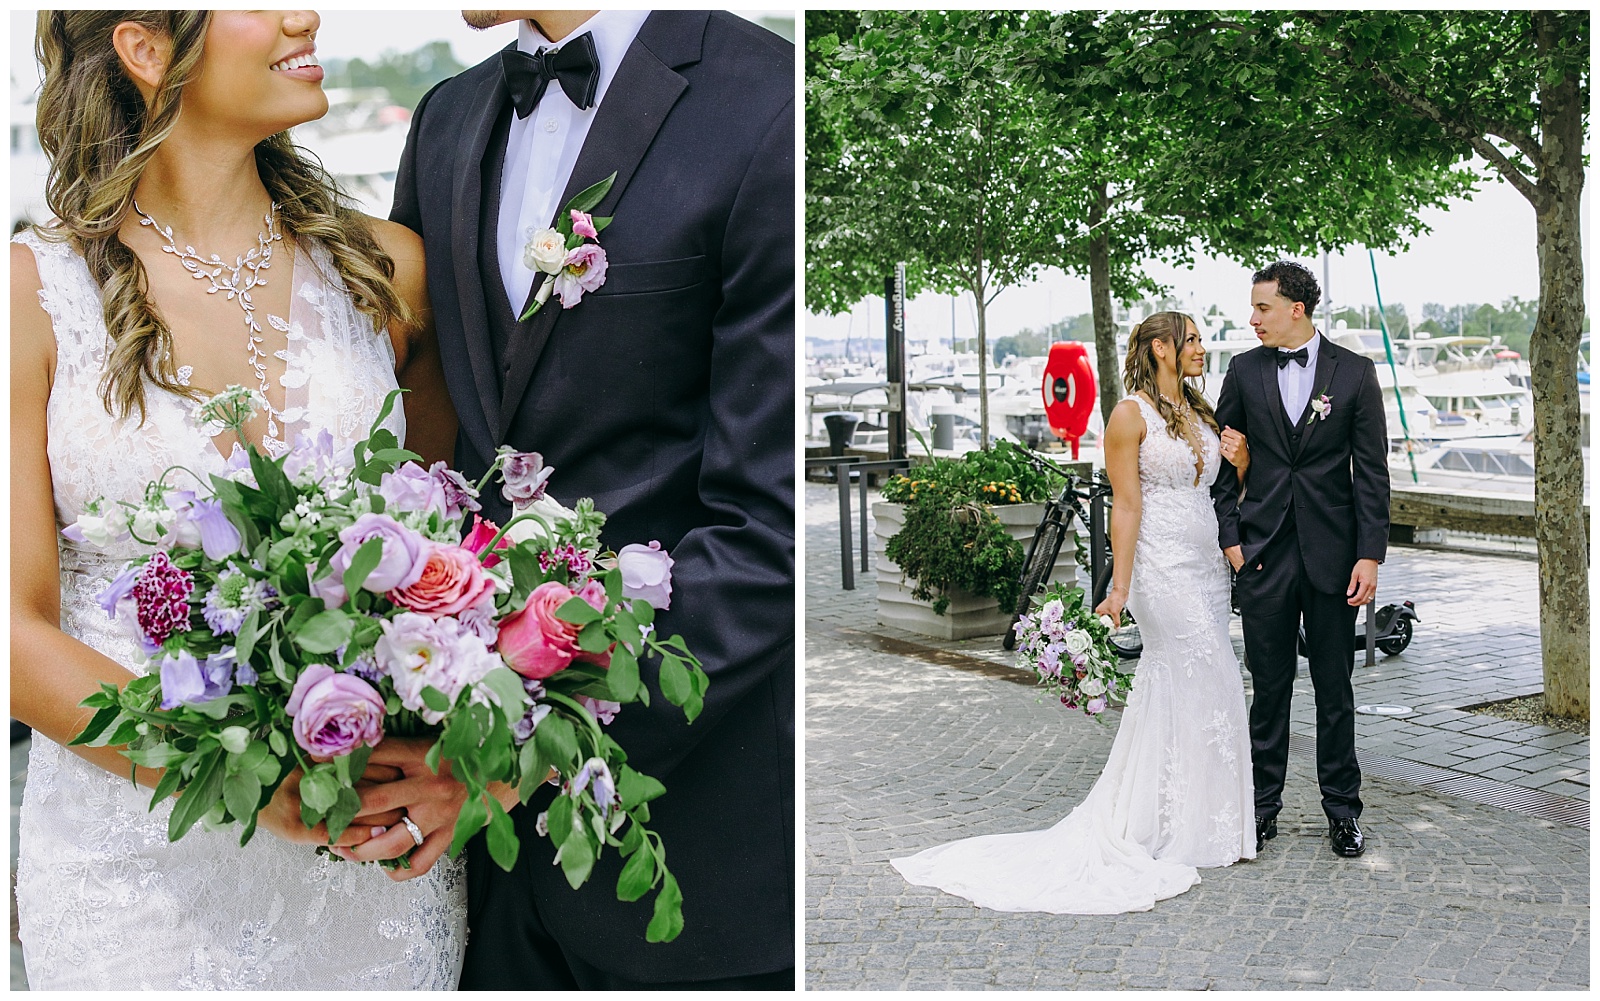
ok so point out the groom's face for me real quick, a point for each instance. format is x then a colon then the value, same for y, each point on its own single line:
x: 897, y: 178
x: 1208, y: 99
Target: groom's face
x: 1274, y: 317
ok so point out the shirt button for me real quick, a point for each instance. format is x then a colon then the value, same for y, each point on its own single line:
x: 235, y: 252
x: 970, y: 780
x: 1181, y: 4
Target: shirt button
x: 550, y: 125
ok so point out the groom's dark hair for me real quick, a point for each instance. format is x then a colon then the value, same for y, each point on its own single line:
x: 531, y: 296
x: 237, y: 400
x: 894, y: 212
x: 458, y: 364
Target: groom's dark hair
x: 1295, y: 283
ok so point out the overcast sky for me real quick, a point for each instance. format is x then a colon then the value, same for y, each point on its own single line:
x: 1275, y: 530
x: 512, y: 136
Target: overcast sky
x: 1479, y: 251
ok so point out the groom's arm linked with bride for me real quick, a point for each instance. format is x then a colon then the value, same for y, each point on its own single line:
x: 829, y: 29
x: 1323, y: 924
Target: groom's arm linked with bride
x: 1305, y: 532
x: 667, y: 395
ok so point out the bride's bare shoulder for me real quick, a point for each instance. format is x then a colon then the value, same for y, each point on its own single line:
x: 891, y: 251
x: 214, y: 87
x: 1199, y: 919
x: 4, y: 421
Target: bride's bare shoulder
x: 1126, y: 418
x: 32, y: 340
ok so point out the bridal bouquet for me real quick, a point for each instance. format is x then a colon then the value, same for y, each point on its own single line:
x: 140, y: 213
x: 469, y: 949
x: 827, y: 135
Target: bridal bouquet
x: 299, y: 609
x: 1069, y: 648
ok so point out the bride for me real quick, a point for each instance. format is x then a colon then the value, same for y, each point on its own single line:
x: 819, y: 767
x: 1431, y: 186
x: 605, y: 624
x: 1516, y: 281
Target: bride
x: 1176, y: 793
x: 167, y: 144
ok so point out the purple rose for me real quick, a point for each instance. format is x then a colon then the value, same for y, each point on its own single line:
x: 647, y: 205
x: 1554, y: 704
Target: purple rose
x: 405, y: 554
x: 646, y: 573
x: 524, y: 475
x: 584, y: 271
x: 411, y: 488
x: 334, y: 713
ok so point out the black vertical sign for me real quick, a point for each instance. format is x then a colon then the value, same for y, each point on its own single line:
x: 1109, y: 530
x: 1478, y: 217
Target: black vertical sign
x: 895, y: 359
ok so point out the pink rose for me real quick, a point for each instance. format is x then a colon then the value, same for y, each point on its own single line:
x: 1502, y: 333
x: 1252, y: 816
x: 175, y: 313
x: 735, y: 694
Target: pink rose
x: 646, y: 573
x: 584, y: 271
x: 532, y: 641
x: 583, y: 225
x: 452, y: 581
x: 478, y: 539
x: 334, y: 713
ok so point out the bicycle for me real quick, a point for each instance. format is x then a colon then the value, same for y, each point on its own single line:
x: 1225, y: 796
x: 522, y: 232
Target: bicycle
x: 1059, y: 514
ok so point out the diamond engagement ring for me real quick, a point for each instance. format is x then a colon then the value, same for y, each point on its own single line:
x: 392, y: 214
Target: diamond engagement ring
x: 416, y: 832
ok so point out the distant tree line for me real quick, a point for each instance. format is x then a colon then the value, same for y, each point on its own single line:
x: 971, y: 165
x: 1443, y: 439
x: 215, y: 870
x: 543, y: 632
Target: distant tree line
x: 405, y: 75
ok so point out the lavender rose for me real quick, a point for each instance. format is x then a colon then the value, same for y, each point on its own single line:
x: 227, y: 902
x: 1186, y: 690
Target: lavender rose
x: 646, y: 573
x: 411, y: 488
x: 405, y: 554
x: 334, y: 713
x: 418, y: 652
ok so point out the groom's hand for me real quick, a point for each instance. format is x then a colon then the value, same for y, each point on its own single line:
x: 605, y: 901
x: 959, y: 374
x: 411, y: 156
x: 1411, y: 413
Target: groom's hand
x: 1235, y: 555
x: 1363, y: 583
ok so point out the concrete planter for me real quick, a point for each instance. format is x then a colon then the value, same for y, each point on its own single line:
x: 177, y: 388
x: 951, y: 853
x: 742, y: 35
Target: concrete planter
x: 968, y: 615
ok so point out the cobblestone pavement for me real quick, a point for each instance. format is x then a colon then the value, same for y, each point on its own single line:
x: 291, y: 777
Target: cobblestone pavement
x: 912, y: 741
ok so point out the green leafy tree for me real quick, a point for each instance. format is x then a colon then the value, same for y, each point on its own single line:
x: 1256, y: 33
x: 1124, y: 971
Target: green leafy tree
x: 928, y: 149
x: 1351, y: 98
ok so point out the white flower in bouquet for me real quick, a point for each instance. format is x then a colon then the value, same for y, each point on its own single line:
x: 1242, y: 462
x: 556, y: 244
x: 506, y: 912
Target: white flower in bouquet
x: 1078, y: 641
x: 1092, y: 686
x: 546, y: 507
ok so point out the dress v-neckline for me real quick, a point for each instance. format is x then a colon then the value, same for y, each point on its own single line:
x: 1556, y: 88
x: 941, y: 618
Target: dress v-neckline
x: 1199, y: 454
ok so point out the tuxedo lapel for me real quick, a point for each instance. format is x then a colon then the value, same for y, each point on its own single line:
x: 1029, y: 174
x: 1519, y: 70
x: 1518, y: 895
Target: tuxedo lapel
x: 465, y: 220
x: 1327, y: 366
x: 1268, y: 372
x: 636, y: 103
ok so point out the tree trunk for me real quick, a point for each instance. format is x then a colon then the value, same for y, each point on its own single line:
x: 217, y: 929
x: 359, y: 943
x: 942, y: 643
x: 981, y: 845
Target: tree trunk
x: 1105, y: 327
x: 983, y: 370
x: 1557, y: 454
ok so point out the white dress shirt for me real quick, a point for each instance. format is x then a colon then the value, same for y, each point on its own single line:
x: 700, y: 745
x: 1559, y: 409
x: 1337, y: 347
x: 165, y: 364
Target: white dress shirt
x: 542, y: 149
x: 1295, y: 383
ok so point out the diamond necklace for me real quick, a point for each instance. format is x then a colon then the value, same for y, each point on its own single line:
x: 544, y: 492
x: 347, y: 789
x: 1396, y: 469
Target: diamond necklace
x: 242, y: 276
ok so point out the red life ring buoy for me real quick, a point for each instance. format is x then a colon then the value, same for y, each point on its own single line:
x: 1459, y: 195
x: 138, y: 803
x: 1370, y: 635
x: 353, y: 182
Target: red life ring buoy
x: 1069, y: 391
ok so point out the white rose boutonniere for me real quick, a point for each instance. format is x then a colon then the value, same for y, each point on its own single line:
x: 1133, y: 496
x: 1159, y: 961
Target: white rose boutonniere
x: 1321, y: 407
x: 571, y: 265
x: 546, y: 251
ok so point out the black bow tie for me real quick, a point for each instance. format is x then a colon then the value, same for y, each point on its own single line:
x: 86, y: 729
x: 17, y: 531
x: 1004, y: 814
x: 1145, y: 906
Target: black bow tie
x: 575, y: 66
x: 1299, y: 356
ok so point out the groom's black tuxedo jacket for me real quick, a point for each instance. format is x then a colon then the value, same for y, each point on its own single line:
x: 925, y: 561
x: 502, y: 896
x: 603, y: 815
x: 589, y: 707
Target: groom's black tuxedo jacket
x: 1324, y: 479
x: 667, y: 396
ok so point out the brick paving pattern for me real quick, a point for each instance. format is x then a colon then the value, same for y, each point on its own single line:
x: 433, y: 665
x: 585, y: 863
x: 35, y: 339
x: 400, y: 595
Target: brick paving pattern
x: 912, y: 741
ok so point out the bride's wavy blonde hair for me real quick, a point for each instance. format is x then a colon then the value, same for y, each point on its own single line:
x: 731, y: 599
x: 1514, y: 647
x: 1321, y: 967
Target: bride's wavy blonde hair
x: 99, y: 134
x: 1140, y: 367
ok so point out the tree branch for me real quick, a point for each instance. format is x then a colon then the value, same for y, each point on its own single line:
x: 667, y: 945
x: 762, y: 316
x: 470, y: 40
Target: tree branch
x: 1479, y: 144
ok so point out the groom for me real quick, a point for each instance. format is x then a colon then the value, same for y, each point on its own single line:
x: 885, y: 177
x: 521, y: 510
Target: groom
x: 666, y: 394
x: 1305, y: 535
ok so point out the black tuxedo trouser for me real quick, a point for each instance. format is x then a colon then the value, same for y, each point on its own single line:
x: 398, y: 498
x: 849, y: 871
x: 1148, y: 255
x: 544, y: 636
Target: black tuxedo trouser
x: 508, y: 949
x: 1272, y: 608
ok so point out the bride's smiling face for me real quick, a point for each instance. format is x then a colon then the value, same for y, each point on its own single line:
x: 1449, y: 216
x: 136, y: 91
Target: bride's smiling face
x: 259, y: 72
x: 1192, y: 356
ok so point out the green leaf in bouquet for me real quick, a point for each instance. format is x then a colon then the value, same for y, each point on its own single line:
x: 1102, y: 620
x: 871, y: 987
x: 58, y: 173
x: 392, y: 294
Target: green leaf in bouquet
x: 123, y: 733
x: 165, y: 787
x: 248, y: 832
x: 242, y: 794
x: 278, y: 742
x: 643, y: 612
x: 157, y: 756
x: 244, y: 644
x: 525, y: 573
x: 435, y: 699
x: 593, y: 637
x: 623, y: 678
x: 471, y: 820
x: 675, y: 683
x: 250, y: 759
x: 324, y: 632
x: 534, y: 767
x: 632, y: 840
x: 495, y: 755
x: 280, y: 669
x: 506, y: 685
x: 638, y: 875
x: 342, y: 812
x: 199, y: 796
x: 577, y: 858
x: 362, y: 564
x: 578, y: 612
x: 558, y: 741
x: 97, y: 725
x: 613, y: 584
x: 319, y: 790
x: 558, y: 820
x: 431, y: 759
x: 218, y: 709
x: 635, y: 787
x: 272, y: 482
x: 667, y: 920
x: 392, y: 457
x: 502, y: 836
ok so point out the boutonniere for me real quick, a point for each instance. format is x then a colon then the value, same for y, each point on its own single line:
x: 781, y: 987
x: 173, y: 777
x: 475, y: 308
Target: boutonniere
x: 1321, y: 407
x: 571, y: 265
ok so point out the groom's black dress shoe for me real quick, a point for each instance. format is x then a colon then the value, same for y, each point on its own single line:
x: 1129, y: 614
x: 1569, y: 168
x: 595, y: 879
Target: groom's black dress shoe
x: 1266, y: 827
x: 1346, y: 836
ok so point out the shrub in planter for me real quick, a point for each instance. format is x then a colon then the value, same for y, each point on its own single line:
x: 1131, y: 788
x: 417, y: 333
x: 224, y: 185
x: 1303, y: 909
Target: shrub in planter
x: 951, y: 540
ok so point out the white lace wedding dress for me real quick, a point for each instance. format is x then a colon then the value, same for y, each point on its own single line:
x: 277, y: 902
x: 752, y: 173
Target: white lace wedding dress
x: 104, y: 901
x: 1175, y: 794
